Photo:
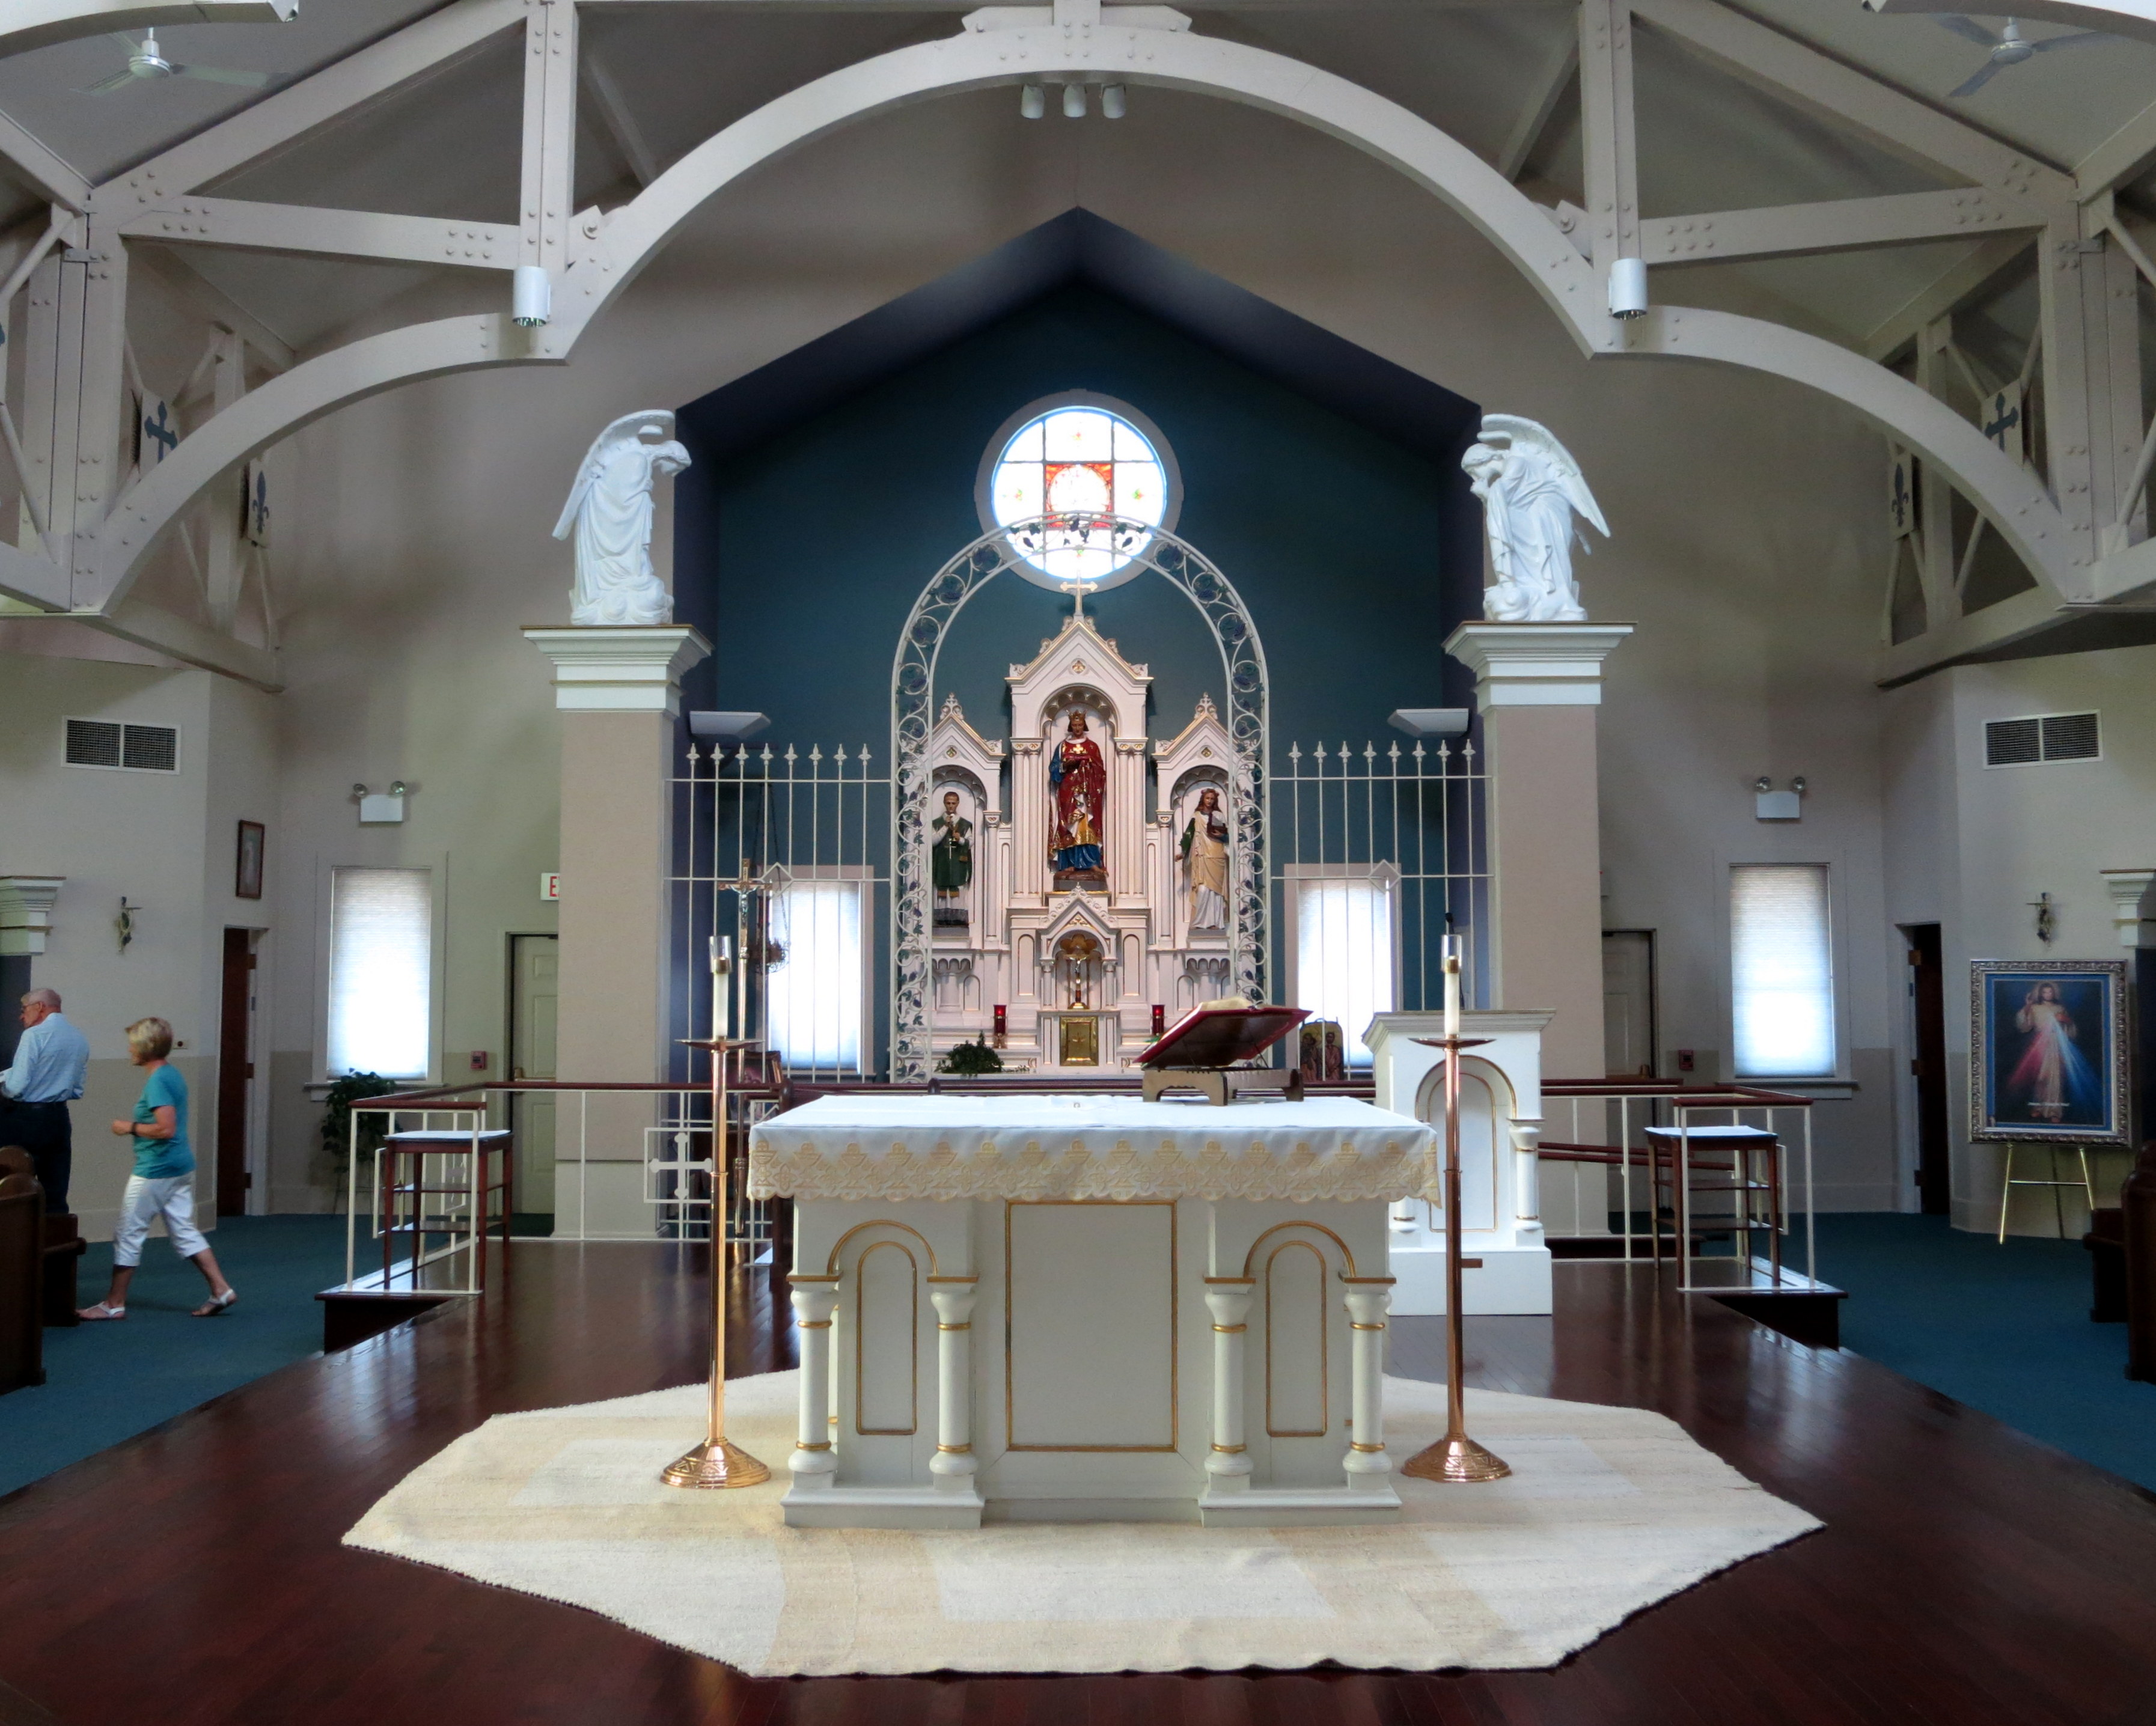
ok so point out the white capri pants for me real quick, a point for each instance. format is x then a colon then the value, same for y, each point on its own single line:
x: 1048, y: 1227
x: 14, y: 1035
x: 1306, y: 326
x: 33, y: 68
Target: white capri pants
x: 172, y: 1198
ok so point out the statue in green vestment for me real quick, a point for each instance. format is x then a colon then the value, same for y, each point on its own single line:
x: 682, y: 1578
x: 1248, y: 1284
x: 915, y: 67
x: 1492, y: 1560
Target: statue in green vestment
x: 951, y: 863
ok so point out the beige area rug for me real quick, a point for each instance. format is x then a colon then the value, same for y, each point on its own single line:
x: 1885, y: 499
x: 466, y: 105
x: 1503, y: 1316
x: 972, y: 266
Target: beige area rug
x: 1608, y: 1510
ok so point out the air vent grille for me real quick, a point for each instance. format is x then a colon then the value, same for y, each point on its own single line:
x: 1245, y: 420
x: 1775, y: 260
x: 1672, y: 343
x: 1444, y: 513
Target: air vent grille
x: 2043, y: 737
x: 110, y: 743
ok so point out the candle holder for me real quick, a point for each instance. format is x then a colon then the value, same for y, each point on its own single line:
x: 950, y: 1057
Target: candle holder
x: 717, y: 1462
x: 1456, y: 1457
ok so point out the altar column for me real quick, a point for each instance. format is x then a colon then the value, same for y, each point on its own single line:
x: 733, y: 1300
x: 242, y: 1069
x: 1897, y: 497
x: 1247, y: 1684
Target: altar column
x: 1537, y: 686
x: 814, y: 1300
x: 618, y: 691
x: 1228, y: 1463
x: 953, y: 1465
x: 1367, y: 1297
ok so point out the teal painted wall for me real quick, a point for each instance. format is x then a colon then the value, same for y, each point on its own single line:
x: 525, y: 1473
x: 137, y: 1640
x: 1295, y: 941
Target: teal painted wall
x: 802, y: 557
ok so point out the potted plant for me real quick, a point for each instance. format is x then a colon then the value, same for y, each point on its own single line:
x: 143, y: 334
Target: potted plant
x: 336, y: 1122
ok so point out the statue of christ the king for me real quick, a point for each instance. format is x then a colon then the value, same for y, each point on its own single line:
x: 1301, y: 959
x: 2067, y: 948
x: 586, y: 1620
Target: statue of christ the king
x: 1081, y: 778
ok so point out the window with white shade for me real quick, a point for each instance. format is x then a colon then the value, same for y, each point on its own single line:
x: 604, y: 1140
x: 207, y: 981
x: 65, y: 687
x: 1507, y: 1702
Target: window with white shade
x: 1781, y: 965
x: 814, y: 997
x: 1345, y: 953
x: 381, y: 972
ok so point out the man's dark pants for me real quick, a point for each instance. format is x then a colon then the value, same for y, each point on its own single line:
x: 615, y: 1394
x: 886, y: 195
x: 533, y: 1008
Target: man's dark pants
x: 43, y: 1130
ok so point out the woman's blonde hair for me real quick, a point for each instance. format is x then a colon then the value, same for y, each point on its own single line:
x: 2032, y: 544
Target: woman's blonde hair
x: 150, y: 1038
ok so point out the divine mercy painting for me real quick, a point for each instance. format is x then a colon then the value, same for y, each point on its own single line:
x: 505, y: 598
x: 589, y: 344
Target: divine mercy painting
x: 2048, y: 1042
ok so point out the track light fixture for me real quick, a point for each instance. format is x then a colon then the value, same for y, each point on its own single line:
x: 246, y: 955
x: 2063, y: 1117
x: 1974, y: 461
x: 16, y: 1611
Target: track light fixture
x: 1031, y: 102
x: 1628, y: 288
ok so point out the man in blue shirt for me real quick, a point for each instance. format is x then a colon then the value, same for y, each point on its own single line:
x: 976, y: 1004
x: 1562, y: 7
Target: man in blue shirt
x: 35, y: 1092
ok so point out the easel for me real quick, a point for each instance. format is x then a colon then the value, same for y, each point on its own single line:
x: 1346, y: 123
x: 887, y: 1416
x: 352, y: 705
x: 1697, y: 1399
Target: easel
x: 2086, y: 1183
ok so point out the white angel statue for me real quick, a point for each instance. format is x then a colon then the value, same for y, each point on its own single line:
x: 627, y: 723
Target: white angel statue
x: 610, y: 508
x: 1530, y: 487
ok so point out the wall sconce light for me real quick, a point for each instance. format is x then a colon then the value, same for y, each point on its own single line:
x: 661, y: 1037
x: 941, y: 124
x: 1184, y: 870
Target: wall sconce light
x: 1772, y: 805
x: 1628, y: 288
x: 530, y: 295
x: 381, y: 808
x: 123, y: 925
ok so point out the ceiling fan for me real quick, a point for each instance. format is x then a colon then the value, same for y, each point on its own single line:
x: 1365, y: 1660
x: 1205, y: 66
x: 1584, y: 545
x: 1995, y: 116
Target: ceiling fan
x: 145, y: 64
x: 2007, y: 48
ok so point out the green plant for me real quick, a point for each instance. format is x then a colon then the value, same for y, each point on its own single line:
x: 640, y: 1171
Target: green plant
x: 336, y: 1119
x: 971, y: 1059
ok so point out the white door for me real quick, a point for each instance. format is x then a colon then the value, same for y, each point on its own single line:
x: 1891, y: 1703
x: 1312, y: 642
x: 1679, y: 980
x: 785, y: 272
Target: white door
x: 1628, y: 1002
x: 536, y: 962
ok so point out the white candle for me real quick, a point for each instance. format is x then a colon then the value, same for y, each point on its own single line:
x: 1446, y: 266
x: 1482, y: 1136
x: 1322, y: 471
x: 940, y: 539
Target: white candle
x: 1452, y: 986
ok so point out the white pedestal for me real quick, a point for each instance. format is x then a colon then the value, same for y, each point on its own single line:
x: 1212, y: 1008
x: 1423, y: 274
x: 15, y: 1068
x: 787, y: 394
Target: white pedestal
x: 1072, y: 1356
x: 1500, y: 1127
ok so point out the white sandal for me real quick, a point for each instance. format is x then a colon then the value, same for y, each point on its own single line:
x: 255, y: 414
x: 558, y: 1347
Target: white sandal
x: 215, y: 1304
x: 100, y: 1311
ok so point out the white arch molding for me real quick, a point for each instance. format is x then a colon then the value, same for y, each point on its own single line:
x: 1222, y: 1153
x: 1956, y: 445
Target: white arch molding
x: 1016, y: 45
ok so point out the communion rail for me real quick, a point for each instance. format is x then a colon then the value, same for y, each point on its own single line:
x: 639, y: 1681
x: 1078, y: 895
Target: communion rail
x: 639, y: 1156
x: 1644, y: 1102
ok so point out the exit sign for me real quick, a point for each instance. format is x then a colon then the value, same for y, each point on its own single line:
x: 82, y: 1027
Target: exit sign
x: 550, y: 885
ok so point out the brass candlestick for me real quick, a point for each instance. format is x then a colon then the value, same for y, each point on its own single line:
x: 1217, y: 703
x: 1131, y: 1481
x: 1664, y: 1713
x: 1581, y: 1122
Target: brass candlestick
x: 1456, y: 1457
x: 717, y: 1462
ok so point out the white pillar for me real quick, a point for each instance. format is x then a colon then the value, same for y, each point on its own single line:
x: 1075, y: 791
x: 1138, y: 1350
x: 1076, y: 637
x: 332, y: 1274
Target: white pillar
x: 953, y: 1464
x: 1368, y: 1299
x: 1537, y: 686
x: 812, y: 1461
x: 1229, y: 1462
x: 1526, y: 1183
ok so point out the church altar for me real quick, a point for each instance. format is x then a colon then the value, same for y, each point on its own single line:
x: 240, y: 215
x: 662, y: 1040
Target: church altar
x: 1066, y: 1308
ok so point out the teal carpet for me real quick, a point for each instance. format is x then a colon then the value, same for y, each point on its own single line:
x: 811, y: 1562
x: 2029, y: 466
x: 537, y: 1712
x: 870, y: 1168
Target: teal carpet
x: 107, y: 1382
x: 2004, y: 1329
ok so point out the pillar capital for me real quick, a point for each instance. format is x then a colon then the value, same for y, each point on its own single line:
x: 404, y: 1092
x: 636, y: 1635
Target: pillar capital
x: 26, y: 911
x: 2129, y: 892
x: 1536, y: 664
x: 620, y: 669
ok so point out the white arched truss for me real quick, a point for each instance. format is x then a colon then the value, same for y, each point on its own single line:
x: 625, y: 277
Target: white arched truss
x: 1007, y: 46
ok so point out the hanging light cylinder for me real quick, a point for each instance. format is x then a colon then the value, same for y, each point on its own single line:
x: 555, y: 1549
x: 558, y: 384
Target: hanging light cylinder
x: 1074, y: 101
x: 1031, y: 102
x: 1113, y: 102
x: 532, y: 295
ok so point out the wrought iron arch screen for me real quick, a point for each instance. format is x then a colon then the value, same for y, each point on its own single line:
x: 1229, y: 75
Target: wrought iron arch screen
x: 1184, y: 567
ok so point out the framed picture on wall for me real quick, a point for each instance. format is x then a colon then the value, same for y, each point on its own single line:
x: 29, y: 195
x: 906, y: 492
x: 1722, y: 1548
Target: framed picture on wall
x: 2048, y: 1051
x: 247, y: 871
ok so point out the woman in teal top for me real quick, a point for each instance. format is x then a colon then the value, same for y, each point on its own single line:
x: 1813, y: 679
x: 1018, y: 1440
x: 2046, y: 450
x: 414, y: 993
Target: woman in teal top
x: 163, y: 1184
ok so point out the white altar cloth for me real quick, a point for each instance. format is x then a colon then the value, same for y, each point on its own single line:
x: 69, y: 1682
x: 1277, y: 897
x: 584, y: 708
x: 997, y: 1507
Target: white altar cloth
x: 1037, y: 1147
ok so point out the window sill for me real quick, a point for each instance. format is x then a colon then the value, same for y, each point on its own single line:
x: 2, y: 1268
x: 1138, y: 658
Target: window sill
x: 1828, y: 1087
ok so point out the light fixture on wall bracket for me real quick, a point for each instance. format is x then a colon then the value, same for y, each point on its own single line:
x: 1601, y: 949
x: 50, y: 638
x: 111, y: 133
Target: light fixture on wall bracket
x: 532, y: 295
x: 123, y: 925
x: 1772, y: 805
x: 727, y: 733
x: 381, y: 808
x: 1031, y: 102
x: 1628, y: 287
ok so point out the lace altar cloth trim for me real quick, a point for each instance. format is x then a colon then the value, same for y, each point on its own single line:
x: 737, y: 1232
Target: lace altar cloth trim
x: 1037, y: 1147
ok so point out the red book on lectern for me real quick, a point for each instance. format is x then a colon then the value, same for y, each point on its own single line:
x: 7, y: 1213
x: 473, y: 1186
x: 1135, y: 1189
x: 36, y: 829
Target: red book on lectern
x: 1222, y: 1036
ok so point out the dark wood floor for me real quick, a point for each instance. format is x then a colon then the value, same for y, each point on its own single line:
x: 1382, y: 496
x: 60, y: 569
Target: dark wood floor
x: 193, y: 1574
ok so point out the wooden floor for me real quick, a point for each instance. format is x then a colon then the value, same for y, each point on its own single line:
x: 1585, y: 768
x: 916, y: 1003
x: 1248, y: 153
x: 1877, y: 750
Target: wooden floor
x: 193, y: 1574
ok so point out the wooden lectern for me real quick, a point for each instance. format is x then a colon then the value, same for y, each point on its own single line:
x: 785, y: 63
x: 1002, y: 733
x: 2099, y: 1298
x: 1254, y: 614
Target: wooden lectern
x: 1198, y: 1053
